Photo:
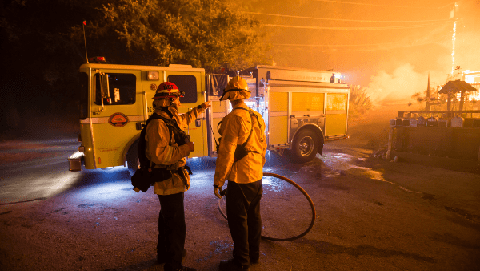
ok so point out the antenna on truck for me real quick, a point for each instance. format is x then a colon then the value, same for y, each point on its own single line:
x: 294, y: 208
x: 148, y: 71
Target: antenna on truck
x: 85, y: 39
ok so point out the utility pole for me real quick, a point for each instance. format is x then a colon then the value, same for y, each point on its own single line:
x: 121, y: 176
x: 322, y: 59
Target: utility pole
x: 453, y: 15
x: 428, y: 94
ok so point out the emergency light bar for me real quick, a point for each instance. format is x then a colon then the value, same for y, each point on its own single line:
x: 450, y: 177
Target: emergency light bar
x: 98, y: 59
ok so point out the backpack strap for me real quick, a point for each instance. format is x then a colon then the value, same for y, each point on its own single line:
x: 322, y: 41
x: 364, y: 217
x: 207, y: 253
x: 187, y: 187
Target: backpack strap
x: 144, y: 133
x: 179, y: 136
x: 171, y: 123
x: 251, y: 130
x: 241, y: 150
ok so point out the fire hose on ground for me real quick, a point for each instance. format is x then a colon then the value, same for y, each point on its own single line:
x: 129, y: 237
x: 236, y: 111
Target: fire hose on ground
x: 301, y: 190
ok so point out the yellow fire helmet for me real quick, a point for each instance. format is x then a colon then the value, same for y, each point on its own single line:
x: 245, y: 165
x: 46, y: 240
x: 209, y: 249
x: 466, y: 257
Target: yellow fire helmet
x: 236, y: 89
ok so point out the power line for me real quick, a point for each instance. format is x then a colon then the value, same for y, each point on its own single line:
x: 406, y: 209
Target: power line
x: 348, y: 28
x: 360, y: 47
x: 380, y: 5
x: 356, y: 47
x: 342, y: 20
x: 332, y: 45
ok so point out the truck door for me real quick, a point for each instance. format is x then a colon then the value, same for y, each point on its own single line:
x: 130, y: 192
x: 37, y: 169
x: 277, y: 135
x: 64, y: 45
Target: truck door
x: 116, y: 106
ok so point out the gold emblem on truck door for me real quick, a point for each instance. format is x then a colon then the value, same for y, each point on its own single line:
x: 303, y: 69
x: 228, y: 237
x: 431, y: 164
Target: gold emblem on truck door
x: 118, y: 119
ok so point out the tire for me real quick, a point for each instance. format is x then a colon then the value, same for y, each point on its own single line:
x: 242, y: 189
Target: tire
x: 305, y: 146
x: 132, y: 158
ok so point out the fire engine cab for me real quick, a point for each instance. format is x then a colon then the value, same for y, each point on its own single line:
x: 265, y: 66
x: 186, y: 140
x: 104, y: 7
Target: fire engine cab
x: 302, y: 109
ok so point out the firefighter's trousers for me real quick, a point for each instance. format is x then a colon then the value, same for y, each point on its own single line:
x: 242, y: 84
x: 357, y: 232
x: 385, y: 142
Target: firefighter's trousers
x: 171, y: 229
x: 244, y: 220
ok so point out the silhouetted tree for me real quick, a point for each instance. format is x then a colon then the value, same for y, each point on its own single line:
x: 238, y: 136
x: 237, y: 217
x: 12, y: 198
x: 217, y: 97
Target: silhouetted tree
x: 360, y: 103
x: 42, y: 42
x: 203, y: 33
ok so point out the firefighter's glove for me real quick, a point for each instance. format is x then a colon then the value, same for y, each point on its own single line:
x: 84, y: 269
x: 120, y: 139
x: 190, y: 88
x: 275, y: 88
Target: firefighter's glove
x: 141, y: 180
x: 204, y: 105
x: 191, y: 146
x: 218, y: 192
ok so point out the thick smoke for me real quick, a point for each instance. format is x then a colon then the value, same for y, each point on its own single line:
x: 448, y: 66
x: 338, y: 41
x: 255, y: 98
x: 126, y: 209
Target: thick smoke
x: 396, y: 86
x: 399, y: 86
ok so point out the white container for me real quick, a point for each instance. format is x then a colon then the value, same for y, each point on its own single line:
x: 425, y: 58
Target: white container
x: 457, y: 122
x: 413, y: 123
x: 75, y: 164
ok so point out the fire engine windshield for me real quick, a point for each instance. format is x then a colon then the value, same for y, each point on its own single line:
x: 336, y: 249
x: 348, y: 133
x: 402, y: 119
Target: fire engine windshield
x: 188, y: 84
x: 122, y: 89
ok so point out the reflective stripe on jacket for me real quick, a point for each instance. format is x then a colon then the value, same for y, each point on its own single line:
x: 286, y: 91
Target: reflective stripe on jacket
x: 235, y: 129
x: 163, y: 151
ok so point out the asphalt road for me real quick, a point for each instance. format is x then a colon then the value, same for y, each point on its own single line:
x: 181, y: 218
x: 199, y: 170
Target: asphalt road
x: 371, y: 214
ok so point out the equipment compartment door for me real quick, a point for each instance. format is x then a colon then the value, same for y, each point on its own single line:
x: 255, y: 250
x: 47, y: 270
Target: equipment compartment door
x: 278, y: 118
x: 336, y: 114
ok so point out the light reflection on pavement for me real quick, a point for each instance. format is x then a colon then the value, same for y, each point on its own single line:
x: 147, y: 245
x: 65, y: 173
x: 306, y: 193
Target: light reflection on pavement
x: 273, y: 184
x: 342, y: 162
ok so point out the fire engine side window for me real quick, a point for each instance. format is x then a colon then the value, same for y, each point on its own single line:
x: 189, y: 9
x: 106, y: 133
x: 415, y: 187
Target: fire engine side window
x: 336, y: 102
x: 122, y: 88
x: 187, y: 83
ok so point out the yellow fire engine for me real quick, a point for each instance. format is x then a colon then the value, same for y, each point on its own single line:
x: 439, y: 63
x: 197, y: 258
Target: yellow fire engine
x: 302, y: 109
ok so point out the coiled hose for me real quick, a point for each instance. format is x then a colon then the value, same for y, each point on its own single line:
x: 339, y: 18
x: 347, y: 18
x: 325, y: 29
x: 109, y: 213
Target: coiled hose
x: 301, y: 190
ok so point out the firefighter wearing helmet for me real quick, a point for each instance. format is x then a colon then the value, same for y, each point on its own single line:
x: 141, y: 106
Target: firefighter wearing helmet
x: 166, y: 148
x: 241, y: 156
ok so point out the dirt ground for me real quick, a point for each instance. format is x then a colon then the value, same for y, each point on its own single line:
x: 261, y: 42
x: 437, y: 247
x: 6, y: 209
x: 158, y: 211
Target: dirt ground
x: 107, y: 226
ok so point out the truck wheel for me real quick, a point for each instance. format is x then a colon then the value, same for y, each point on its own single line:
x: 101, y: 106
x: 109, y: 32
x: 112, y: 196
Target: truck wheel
x: 305, y: 146
x: 132, y: 158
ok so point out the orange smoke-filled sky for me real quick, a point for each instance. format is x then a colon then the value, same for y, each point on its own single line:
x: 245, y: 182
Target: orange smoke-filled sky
x: 388, y: 46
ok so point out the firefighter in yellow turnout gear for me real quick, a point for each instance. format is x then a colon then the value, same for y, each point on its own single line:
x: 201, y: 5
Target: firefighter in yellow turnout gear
x: 241, y: 156
x: 166, y: 148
